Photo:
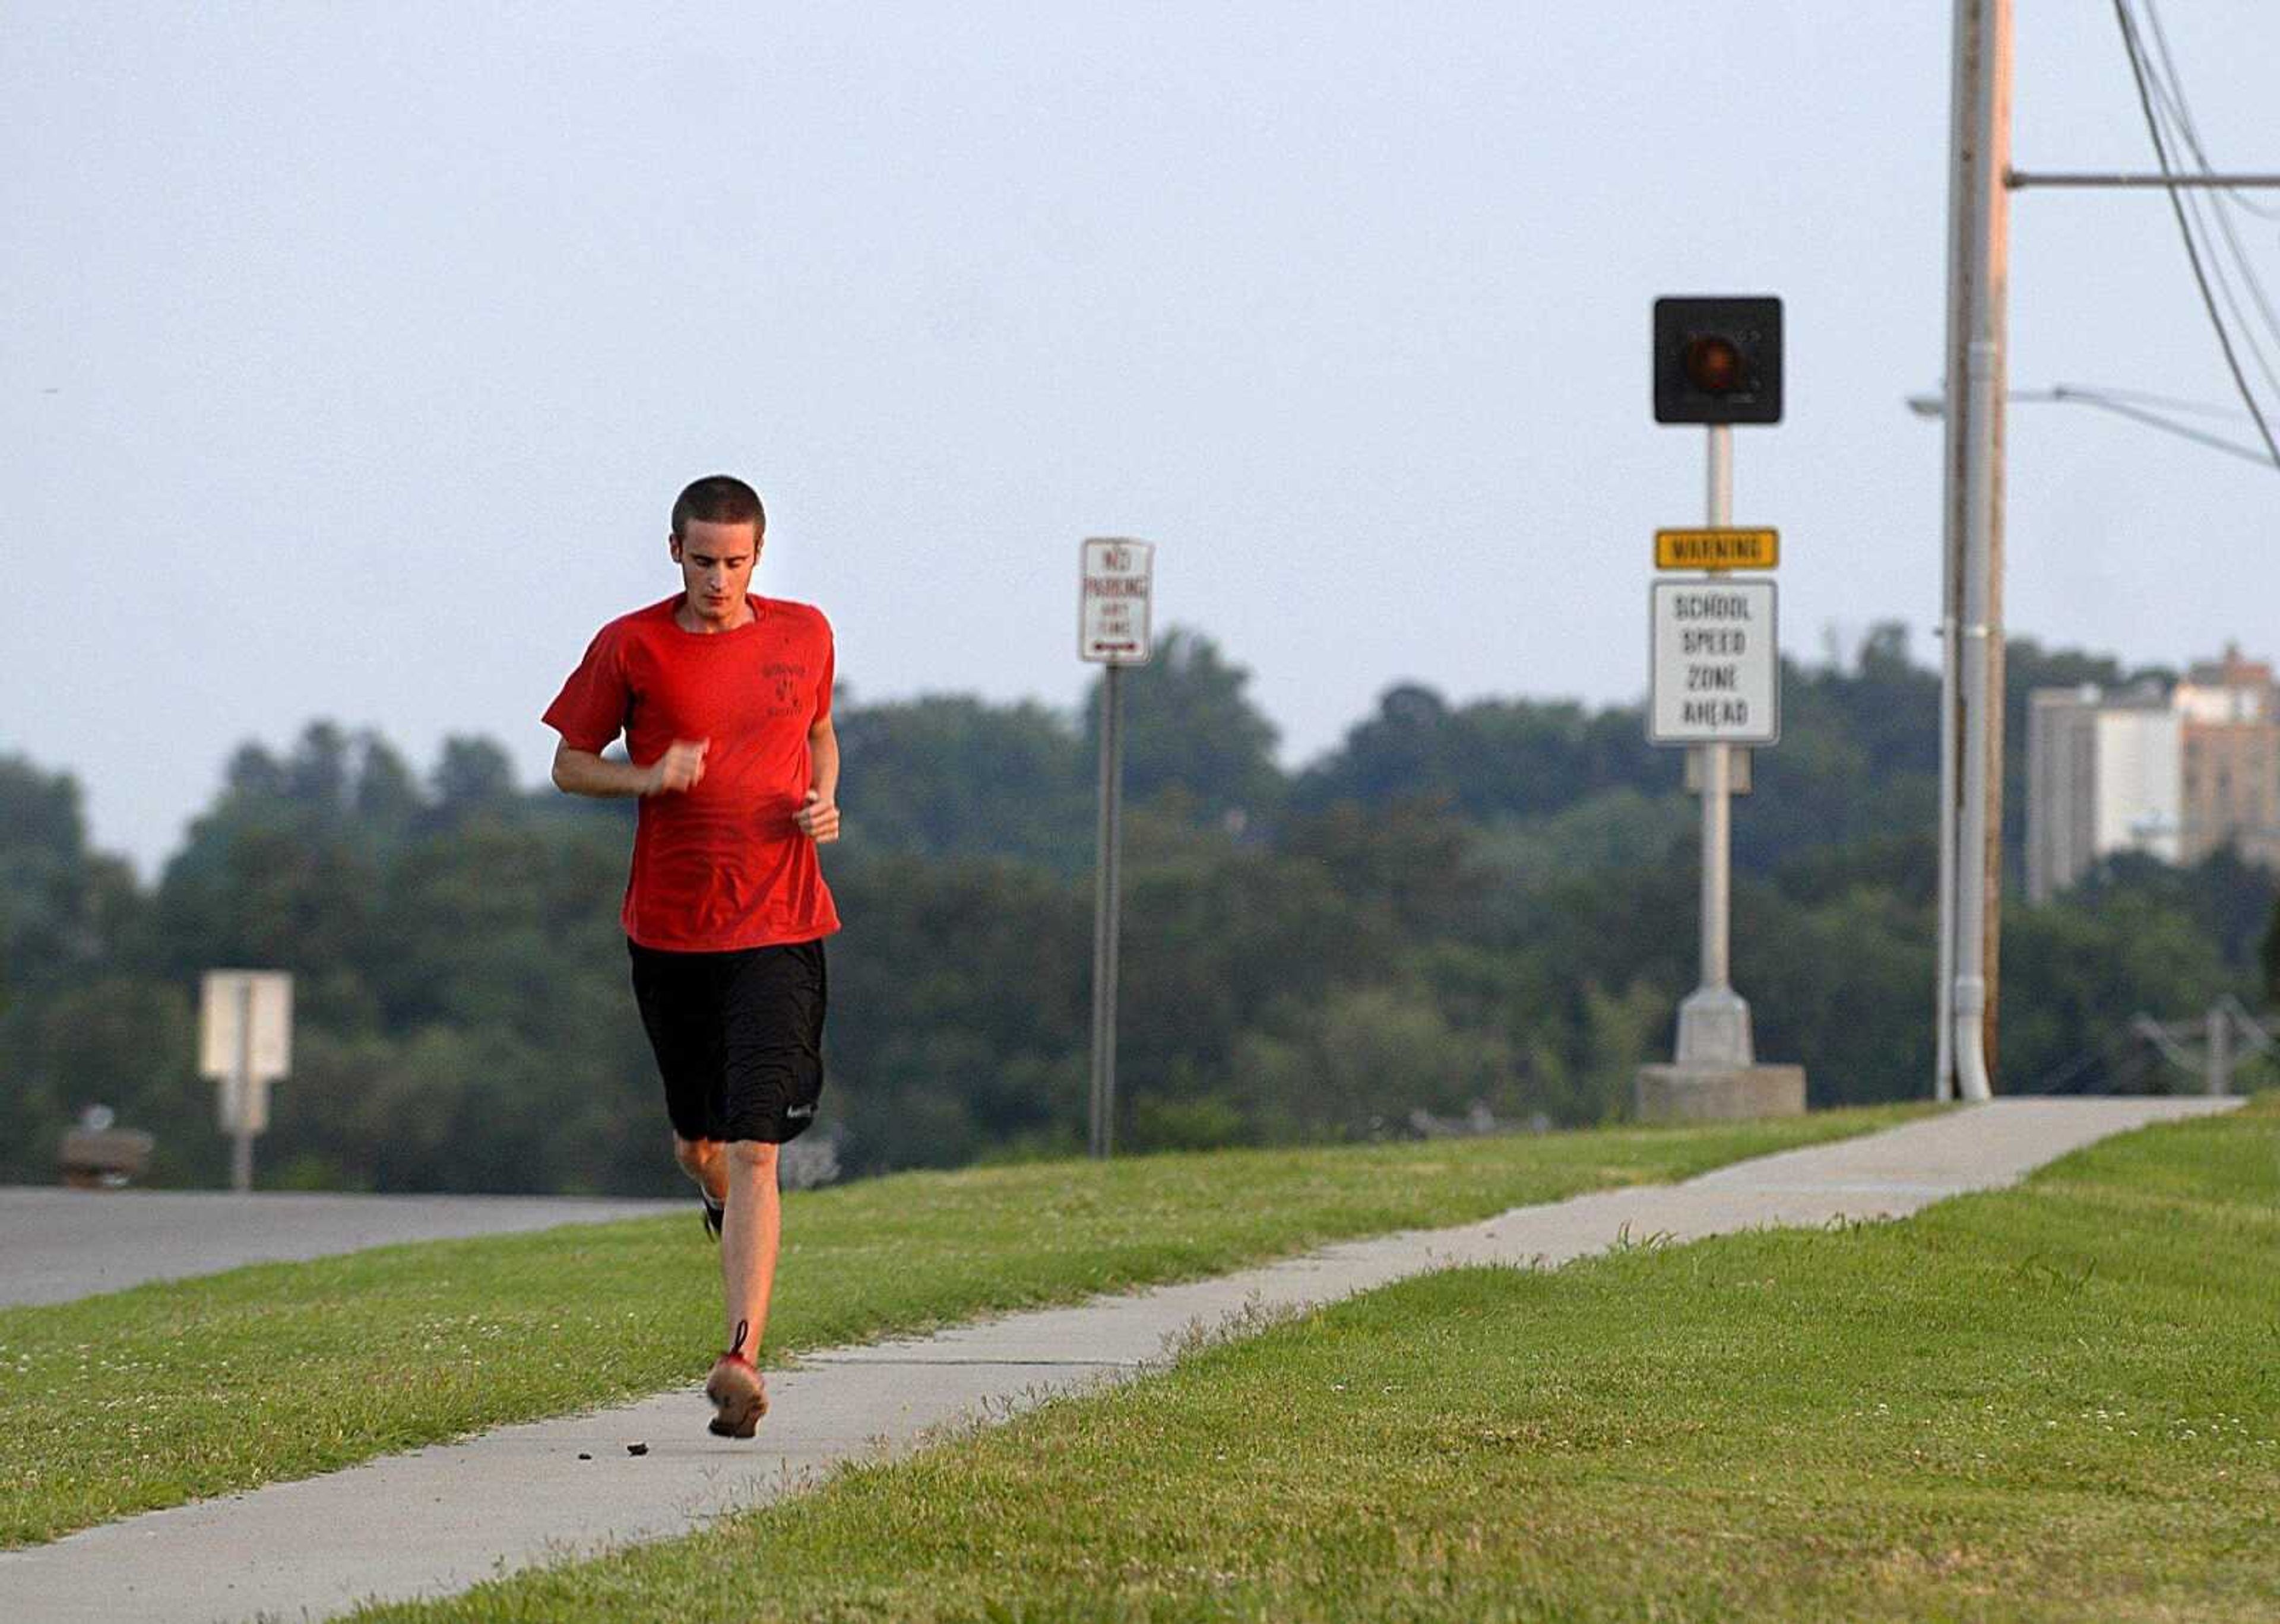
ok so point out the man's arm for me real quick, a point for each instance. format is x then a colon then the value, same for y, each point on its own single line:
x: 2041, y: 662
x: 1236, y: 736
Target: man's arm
x: 581, y: 772
x: 818, y: 817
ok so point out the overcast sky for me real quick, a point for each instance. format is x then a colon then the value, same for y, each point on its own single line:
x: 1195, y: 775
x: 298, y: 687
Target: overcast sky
x: 350, y: 356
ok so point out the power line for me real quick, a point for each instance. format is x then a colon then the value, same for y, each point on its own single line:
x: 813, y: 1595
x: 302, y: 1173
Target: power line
x: 2255, y: 287
x: 2192, y: 252
x: 2182, y: 114
x: 2169, y: 89
x: 2231, y: 302
x: 2175, y: 98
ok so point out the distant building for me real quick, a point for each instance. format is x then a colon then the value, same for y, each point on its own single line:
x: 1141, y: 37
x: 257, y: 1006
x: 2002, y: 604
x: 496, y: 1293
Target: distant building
x: 2231, y: 759
x: 2104, y: 775
x: 2172, y: 775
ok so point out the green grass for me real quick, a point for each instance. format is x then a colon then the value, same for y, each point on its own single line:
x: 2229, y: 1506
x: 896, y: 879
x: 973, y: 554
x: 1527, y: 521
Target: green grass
x: 165, y: 1393
x: 2058, y: 1402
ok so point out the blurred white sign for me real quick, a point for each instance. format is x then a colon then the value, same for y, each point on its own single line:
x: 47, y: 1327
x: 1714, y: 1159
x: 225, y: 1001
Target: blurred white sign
x: 1112, y: 602
x: 245, y: 1025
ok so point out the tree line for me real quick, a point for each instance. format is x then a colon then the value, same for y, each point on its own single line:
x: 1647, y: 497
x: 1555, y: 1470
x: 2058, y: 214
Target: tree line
x: 1487, y: 907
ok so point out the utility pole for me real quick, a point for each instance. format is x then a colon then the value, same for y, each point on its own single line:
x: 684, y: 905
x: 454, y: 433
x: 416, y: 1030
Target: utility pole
x: 1971, y: 611
x: 1971, y: 620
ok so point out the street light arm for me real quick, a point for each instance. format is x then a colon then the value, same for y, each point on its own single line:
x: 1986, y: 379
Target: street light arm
x: 2155, y: 420
x: 1935, y: 406
x: 2018, y: 178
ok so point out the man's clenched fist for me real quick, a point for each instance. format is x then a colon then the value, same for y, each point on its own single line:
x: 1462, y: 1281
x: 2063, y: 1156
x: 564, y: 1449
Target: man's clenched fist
x: 680, y: 767
x: 817, y: 817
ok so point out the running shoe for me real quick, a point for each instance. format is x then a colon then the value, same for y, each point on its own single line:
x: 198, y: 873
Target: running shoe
x: 739, y: 1395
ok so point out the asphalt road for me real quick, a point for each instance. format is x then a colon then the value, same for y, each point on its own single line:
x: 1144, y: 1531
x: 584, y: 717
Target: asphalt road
x: 56, y: 1244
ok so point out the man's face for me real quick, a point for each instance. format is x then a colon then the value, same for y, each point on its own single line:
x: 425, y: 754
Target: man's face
x: 716, y: 567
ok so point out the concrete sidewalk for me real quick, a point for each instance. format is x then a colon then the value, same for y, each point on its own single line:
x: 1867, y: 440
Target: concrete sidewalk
x: 445, y: 1518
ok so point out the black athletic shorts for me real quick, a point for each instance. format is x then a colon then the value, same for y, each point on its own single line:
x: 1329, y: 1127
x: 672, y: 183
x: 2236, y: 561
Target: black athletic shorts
x: 738, y: 1037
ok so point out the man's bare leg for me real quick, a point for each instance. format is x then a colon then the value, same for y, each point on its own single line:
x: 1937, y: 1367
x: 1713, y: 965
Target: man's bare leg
x: 748, y: 1269
x: 748, y: 1240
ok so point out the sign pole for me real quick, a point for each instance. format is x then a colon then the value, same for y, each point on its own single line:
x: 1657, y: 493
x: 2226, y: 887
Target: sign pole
x: 1713, y: 1022
x: 2219, y: 1049
x: 1114, y: 597
x: 240, y: 1087
x: 1106, y: 906
x: 1717, y: 805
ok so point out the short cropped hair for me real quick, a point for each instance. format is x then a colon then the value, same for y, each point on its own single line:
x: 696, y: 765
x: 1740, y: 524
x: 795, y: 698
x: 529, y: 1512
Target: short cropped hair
x: 720, y: 500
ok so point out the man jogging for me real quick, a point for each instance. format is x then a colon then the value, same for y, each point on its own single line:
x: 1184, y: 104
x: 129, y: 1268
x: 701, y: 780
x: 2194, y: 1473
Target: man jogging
x: 725, y: 702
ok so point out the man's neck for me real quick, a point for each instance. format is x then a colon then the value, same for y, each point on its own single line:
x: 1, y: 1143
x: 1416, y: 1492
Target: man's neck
x: 685, y: 616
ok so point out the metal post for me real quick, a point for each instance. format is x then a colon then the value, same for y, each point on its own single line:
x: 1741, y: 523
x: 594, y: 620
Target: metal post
x: 2220, y: 1051
x: 1717, y: 778
x: 1713, y: 1022
x: 1962, y: 137
x: 1106, y: 904
x: 1942, y: 1086
x: 1971, y: 658
x: 1717, y: 852
x: 2017, y: 179
x: 241, y: 1087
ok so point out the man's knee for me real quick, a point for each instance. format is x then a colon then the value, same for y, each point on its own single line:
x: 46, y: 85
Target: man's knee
x: 696, y: 1155
x: 752, y: 1156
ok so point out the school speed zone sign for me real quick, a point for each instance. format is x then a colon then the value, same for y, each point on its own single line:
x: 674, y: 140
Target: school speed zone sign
x: 1716, y: 663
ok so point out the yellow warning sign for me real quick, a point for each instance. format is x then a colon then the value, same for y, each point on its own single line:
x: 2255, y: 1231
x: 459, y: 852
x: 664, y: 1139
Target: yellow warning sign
x: 1717, y: 550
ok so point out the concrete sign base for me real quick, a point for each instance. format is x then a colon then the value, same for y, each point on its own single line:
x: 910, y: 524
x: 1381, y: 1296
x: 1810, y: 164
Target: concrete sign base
x: 1718, y: 1094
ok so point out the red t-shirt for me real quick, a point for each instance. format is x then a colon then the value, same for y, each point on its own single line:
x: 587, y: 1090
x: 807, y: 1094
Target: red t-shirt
x: 720, y: 866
